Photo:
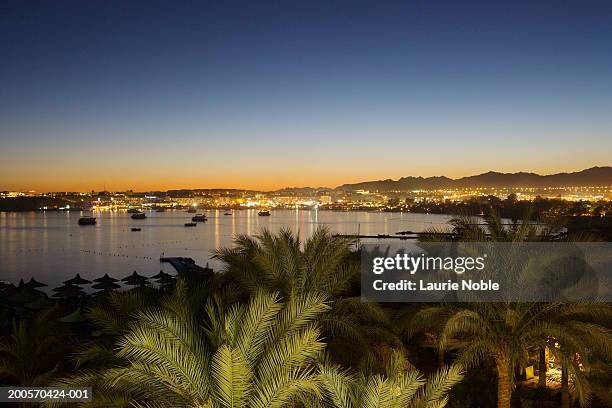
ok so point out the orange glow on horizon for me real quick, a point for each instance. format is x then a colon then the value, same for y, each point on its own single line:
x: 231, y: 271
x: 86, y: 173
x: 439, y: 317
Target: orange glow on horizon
x: 247, y: 180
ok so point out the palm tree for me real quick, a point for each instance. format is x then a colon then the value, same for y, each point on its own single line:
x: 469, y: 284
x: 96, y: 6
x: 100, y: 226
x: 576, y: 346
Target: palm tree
x: 262, y: 354
x: 400, y: 387
x: 323, y: 264
x: 503, y: 332
x: 491, y: 228
x: 278, y: 262
x: 111, y: 320
x: 591, y: 341
x: 30, y: 355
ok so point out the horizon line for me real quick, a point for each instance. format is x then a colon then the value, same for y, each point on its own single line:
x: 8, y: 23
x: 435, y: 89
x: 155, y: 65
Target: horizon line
x: 307, y: 187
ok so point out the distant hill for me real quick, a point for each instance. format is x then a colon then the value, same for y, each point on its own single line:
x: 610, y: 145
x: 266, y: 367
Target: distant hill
x: 595, y: 176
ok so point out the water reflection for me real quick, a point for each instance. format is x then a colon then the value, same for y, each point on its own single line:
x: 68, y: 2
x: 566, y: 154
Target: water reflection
x: 51, y: 246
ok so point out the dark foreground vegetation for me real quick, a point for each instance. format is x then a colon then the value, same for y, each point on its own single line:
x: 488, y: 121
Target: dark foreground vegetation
x: 283, y: 326
x: 515, y: 209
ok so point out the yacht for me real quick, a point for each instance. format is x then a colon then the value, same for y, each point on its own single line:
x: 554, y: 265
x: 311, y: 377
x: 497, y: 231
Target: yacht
x: 264, y: 213
x: 87, y: 221
x: 199, y: 218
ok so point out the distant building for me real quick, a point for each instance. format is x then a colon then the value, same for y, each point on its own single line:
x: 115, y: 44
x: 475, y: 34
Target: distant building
x: 325, y: 199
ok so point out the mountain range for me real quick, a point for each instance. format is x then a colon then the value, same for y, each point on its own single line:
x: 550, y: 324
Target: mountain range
x: 595, y: 176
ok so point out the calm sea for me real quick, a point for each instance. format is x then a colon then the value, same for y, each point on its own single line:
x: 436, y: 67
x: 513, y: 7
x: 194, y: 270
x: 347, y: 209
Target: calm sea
x: 52, y: 247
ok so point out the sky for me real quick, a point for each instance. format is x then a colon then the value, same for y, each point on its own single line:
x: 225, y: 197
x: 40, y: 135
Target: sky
x: 267, y: 94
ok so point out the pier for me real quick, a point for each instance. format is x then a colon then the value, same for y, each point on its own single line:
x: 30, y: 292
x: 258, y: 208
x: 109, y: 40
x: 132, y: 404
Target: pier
x: 402, y: 235
x: 184, y: 265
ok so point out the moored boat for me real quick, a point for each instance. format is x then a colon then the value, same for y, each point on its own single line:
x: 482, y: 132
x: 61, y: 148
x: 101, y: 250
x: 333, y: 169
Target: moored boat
x: 139, y: 216
x: 191, y: 224
x: 199, y: 218
x: 87, y: 221
x: 264, y: 213
x: 133, y: 211
x: 136, y: 229
x: 191, y: 210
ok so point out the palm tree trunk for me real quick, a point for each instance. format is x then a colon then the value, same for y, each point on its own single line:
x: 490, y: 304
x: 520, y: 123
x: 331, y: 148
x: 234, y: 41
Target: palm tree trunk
x: 565, y: 397
x: 542, y: 369
x: 503, y: 383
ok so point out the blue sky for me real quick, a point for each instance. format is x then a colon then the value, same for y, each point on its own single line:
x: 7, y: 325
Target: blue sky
x: 152, y: 94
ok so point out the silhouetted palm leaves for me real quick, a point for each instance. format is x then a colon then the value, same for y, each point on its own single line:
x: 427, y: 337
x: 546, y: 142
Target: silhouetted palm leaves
x: 256, y: 355
x: 30, y: 355
x: 401, y: 387
x: 322, y: 264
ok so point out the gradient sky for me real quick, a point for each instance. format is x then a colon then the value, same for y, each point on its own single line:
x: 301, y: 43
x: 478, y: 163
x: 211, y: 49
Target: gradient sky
x: 261, y: 94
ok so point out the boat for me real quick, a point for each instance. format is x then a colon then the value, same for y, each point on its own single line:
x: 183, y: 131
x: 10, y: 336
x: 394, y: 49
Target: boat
x: 199, y: 218
x: 228, y: 213
x: 160, y: 209
x: 191, y: 224
x: 191, y: 211
x: 133, y: 211
x: 136, y: 229
x: 139, y: 216
x: 87, y: 221
x: 264, y: 213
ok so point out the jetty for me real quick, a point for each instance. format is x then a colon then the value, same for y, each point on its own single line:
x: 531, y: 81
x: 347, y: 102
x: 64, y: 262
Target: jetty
x: 402, y: 235
x: 179, y: 263
x: 185, y: 265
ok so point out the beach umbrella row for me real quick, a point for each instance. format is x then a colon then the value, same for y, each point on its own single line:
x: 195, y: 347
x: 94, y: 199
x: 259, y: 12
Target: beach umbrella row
x: 107, y: 283
x: 28, y: 293
x: 25, y: 294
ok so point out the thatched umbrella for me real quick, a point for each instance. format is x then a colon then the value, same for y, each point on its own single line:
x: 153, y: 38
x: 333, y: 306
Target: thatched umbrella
x: 77, y: 280
x: 160, y: 275
x: 68, y: 291
x: 164, y: 279
x: 106, y: 285
x: 106, y: 279
x: 33, y: 283
x: 135, y: 280
x: 7, y: 285
x: 24, y: 294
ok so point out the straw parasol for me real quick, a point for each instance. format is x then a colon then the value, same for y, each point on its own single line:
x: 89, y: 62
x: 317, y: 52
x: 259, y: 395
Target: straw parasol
x: 33, y: 283
x: 164, y: 279
x: 106, y: 285
x: 106, y: 279
x: 23, y: 295
x: 77, y: 280
x: 160, y: 275
x: 7, y: 285
x: 135, y: 280
x: 68, y: 291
